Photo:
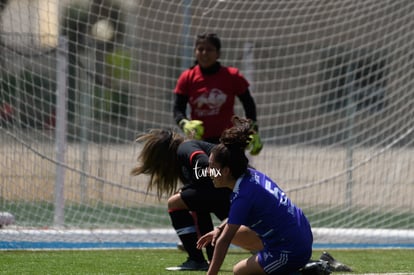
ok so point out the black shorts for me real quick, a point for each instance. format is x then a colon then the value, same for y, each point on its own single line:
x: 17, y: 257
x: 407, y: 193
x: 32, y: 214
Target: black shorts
x: 204, y: 197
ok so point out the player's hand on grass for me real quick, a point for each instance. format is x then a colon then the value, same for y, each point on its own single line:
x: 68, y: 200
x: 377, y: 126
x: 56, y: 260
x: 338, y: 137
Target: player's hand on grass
x: 204, y: 240
x: 210, y: 237
x: 193, y: 129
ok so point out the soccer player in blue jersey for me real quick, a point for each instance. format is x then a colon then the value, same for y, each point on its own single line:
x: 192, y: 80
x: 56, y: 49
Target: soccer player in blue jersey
x: 259, y: 204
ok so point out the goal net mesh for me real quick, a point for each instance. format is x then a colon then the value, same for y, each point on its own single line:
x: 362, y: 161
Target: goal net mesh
x: 80, y: 80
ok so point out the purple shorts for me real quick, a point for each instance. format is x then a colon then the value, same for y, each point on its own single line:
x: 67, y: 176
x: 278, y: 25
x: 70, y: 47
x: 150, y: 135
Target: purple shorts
x: 283, y: 261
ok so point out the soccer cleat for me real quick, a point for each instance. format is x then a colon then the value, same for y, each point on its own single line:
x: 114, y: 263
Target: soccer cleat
x: 316, y: 268
x: 334, y: 264
x: 190, y: 265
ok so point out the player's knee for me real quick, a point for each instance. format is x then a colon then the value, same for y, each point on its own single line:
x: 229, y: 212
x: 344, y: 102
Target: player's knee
x: 238, y: 269
x: 248, y: 266
x: 175, y: 202
x: 247, y: 239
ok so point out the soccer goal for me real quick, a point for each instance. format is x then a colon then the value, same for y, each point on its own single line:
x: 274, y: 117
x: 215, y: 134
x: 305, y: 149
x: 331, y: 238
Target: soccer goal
x: 332, y: 80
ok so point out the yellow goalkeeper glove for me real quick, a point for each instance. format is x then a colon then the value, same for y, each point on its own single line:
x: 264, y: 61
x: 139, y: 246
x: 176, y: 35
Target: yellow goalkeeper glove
x: 255, y: 145
x: 193, y: 129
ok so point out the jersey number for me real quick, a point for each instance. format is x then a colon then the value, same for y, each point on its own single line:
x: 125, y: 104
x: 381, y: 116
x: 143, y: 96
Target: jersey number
x: 281, y: 196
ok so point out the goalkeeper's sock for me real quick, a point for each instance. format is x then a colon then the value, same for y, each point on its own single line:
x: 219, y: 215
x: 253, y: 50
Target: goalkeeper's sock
x: 183, y: 224
x: 205, y: 225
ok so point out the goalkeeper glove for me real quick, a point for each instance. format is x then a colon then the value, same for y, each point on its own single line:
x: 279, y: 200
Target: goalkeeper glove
x: 192, y: 128
x: 255, y: 145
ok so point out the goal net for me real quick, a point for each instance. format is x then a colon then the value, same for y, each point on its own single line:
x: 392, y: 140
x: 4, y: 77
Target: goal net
x: 332, y: 80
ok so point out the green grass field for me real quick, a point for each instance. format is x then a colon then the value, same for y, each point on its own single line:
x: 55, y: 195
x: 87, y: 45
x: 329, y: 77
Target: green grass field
x: 154, y: 261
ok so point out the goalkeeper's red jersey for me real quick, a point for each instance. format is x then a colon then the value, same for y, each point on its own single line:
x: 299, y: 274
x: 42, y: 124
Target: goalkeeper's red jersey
x: 211, y: 96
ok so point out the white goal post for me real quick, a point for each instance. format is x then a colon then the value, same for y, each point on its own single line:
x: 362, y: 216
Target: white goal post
x: 79, y: 80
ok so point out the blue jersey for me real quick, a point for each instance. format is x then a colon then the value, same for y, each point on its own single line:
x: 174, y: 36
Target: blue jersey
x: 259, y: 203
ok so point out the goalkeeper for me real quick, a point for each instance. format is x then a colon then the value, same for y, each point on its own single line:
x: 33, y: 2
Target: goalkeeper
x: 210, y: 90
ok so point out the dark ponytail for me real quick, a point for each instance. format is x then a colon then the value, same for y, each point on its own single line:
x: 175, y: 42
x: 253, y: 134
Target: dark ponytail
x: 158, y: 159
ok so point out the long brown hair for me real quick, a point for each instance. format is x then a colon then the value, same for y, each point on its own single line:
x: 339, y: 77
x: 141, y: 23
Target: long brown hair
x: 158, y: 158
x: 233, y: 143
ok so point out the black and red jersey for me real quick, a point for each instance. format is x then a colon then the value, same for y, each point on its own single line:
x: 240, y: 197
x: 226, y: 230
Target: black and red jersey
x: 193, y: 158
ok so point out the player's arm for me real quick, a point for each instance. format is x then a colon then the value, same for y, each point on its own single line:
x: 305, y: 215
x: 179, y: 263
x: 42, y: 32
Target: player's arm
x: 222, y: 247
x: 193, y: 129
x: 199, y: 160
x: 249, y: 105
x: 250, y: 110
x: 180, y: 107
x: 195, y: 155
x: 212, y: 236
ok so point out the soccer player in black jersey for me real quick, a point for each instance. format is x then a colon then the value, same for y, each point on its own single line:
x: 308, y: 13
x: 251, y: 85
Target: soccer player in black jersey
x: 170, y: 159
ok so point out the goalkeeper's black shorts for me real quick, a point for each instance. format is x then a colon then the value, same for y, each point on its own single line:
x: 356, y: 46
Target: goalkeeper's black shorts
x: 208, y: 199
